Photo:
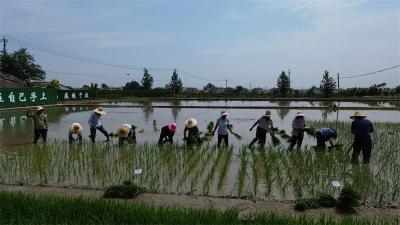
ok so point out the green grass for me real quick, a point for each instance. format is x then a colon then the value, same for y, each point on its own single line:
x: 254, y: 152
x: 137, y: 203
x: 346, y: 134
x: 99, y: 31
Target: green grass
x: 17, y: 208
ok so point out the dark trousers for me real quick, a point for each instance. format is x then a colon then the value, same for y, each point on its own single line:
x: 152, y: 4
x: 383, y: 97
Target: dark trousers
x: 71, y: 138
x: 40, y: 133
x: 363, y: 145
x: 296, y: 139
x: 93, y: 133
x: 320, y: 139
x: 261, y: 137
x: 223, y: 137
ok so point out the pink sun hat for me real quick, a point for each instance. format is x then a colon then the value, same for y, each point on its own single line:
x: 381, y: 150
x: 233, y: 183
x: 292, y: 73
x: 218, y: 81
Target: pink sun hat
x: 172, y: 127
x: 224, y: 113
x: 301, y: 114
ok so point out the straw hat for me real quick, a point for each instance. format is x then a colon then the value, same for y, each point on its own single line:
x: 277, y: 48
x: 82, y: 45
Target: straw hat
x: 100, y: 111
x: 224, y: 113
x: 268, y: 113
x: 300, y: 114
x: 39, y: 108
x: 123, y: 131
x: 76, y: 128
x: 172, y: 127
x: 191, y: 122
x: 358, y: 114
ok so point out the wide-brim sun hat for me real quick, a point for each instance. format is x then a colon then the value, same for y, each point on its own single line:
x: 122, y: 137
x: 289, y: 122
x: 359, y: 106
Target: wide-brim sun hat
x: 100, y: 111
x: 123, y: 131
x: 190, y: 123
x: 224, y: 113
x: 172, y: 127
x: 358, y: 114
x: 76, y: 128
x: 268, y: 113
x: 300, y: 114
x: 39, y: 108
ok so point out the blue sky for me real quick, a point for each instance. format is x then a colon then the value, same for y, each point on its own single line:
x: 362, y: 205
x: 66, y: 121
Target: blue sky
x: 242, y: 41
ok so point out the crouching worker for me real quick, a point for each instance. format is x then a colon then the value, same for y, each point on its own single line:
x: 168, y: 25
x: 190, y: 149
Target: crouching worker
x: 326, y: 134
x: 75, y: 129
x: 95, y: 124
x: 167, y: 133
x: 126, y: 133
x: 193, y: 137
x: 40, y: 126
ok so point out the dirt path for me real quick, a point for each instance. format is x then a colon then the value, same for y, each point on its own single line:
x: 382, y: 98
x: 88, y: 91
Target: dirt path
x: 184, y: 201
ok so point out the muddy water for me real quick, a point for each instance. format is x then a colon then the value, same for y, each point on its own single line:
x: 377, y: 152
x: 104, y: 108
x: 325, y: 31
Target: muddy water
x: 17, y: 130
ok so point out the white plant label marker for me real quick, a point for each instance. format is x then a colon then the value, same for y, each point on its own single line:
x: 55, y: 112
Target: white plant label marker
x: 336, y: 184
x: 137, y: 171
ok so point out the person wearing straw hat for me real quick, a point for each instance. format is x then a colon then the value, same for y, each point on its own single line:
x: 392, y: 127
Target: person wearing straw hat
x: 362, y: 129
x: 263, y: 123
x: 95, y: 124
x: 40, y: 126
x: 126, y: 132
x: 167, y: 133
x: 75, y: 129
x: 223, y: 126
x: 193, y: 136
x: 298, y: 128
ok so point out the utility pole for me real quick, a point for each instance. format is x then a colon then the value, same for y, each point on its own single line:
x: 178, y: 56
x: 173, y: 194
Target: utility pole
x: 290, y: 88
x: 4, y: 44
x: 338, y: 84
x: 250, y: 88
x: 226, y: 84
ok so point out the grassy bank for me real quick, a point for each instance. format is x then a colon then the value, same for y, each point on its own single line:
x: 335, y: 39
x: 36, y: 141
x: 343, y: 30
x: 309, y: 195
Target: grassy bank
x: 16, y: 208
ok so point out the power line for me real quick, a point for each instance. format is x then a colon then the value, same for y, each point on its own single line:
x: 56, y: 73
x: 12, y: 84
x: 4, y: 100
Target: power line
x: 91, y: 75
x: 372, y: 73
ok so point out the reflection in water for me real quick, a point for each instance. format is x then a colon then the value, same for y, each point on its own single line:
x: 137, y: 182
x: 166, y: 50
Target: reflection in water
x: 283, y: 112
x: 175, y: 108
x: 326, y: 112
x: 147, y: 109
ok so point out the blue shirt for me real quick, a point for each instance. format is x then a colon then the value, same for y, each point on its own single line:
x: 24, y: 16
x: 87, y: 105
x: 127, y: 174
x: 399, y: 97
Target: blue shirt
x: 362, y: 128
x: 94, y: 120
x: 223, y: 126
x: 328, y: 133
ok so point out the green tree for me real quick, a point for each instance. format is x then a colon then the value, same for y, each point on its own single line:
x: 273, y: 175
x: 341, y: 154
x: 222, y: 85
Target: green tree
x: 133, y: 85
x: 147, y: 79
x: 94, y: 86
x: 104, y: 86
x: 55, y: 84
x: 283, y: 83
x: 176, y: 83
x: 328, y: 84
x: 22, y: 65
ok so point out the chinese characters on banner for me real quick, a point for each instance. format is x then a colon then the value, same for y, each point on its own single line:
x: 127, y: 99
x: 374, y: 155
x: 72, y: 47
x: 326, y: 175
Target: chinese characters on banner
x: 74, y: 95
x: 26, y: 97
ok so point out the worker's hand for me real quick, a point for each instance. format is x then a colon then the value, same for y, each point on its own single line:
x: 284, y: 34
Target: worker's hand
x: 213, y: 133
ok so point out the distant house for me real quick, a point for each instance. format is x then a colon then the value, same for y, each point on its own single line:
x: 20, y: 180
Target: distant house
x: 259, y: 90
x: 11, y: 81
x: 214, y: 90
x: 191, y: 90
x: 45, y: 84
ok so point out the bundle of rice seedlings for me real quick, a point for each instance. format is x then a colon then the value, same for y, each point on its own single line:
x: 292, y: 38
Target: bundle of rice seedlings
x: 275, y: 140
x: 311, y: 130
x: 238, y: 136
x: 141, y: 130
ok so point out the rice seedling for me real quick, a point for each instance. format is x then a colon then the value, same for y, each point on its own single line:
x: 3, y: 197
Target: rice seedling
x: 225, y: 167
x: 155, y: 126
x: 242, y: 171
x: 210, y: 176
x: 255, y: 173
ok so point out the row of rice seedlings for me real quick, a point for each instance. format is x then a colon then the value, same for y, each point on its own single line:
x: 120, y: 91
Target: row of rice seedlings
x: 211, y: 173
x: 201, y: 169
x: 255, y: 173
x: 242, y: 170
x: 224, y: 170
x: 194, y: 160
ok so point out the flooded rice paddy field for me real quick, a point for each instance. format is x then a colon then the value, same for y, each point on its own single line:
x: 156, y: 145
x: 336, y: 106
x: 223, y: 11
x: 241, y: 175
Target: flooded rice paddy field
x: 272, y: 173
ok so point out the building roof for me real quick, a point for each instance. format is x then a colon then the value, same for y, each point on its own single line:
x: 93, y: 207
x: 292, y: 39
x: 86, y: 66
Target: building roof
x: 10, y: 81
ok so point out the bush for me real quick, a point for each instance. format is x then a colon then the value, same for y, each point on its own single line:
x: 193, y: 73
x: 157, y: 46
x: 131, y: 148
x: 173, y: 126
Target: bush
x: 306, y: 203
x: 126, y: 190
x: 326, y: 200
x: 349, y: 197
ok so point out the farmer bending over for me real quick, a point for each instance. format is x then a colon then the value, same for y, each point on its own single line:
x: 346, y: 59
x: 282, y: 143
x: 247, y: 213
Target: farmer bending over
x: 193, y: 137
x: 264, y: 123
x: 298, y: 128
x: 326, y: 134
x: 126, y: 133
x: 223, y: 126
x: 75, y: 129
x: 362, y: 129
x: 40, y: 126
x: 95, y: 124
x: 167, y: 133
